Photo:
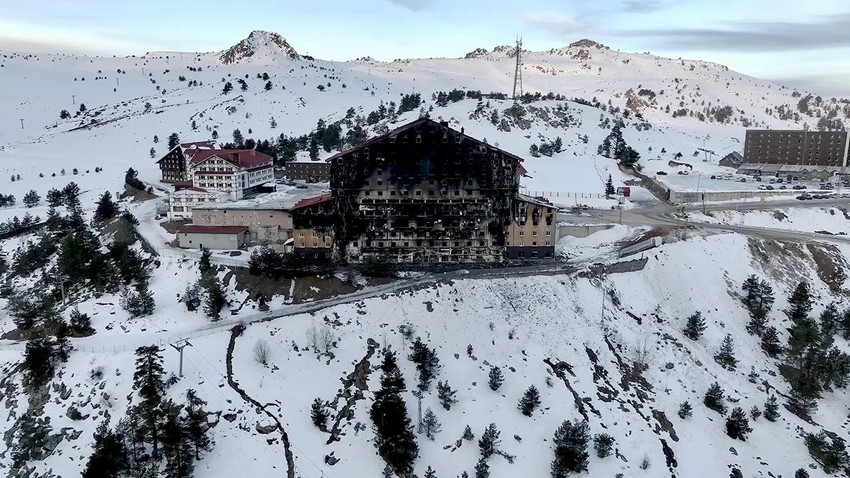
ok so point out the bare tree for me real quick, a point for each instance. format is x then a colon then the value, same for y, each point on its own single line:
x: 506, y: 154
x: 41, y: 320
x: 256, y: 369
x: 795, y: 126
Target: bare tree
x: 326, y: 338
x: 262, y: 351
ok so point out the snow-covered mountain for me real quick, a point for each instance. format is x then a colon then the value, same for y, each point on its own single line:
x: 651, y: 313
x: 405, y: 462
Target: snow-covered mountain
x: 576, y: 337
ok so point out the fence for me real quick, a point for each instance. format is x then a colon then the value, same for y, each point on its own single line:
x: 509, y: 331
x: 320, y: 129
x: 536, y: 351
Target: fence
x: 561, y: 194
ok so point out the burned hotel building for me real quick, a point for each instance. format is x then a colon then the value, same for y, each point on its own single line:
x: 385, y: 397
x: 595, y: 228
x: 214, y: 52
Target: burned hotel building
x: 425, y: 193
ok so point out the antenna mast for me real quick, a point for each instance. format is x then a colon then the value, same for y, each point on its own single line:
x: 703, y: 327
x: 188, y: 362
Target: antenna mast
x: 518, y: 72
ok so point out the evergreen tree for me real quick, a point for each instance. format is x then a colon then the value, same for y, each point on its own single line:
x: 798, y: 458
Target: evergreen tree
x: 80, y: 323
x: 801, y: 473
x: 530, y: 401
x: 603, y: 443
x: 737, y: 425
x: 685, y: 410
x: 726, y: 355
x: 430, y: 424
x: 804, y: 336
x: 31, y: 199
x: 64, y: 114
x: 771, y: 409
x: 39, y: 363
x: 318, y: 414
x: 176, y: 447
x: 147, y: 378
x: 55, y: 198
x: 714, y: 399
x: 467, y: 434
x: 106, y: 208
x: 489, y: 441
x: 268, y: 87
x: 829, y: 323
x: 195, y: 424
x: 755, y: 412
x: 427, y: 363
x: 609, y: 186
x: 800, y: 303
x: 495, y: 378
x: 228, y: 87
x: 430, y: 473
x: 140, y: 301
x: 204, y: 262
x: 482, y: 469
x: 109, y: 458
x: 173, y: 141
x: 314, y: 149
x: 695, y: 326
x: 238, y: 139
x: 571, y: 456
x: 155, y: 139
x: 215, y: 301
x: 446, y: 395
x: 770, y: 341
x: 393, y: 432
x: 71, y: 196
x: 152, y: 153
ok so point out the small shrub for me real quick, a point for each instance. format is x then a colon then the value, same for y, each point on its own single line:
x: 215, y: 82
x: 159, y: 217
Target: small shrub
x: 603, y: 443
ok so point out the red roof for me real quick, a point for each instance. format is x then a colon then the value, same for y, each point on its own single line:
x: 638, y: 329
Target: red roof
x: 247, y: 158
x: 311, y: 201
x: 198, y: 144
x: 196, y: 229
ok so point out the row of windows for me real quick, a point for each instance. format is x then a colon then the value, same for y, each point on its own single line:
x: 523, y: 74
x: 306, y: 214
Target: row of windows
x: 534, y: 233
x: 533, y: 243
x: 418, y: 192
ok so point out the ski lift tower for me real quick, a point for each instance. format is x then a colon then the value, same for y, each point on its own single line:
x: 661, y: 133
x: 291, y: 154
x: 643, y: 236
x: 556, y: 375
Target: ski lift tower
x: 518, y: 71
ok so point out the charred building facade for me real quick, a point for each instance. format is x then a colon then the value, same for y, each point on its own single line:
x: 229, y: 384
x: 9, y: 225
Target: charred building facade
x: 426, y: 194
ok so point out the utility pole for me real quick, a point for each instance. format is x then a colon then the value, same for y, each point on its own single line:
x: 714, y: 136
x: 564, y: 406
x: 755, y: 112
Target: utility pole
x: 22, y: 123
x: 73, y: 99
x: 518, y: 71
x: 117, y: 81
x: 179, y: 346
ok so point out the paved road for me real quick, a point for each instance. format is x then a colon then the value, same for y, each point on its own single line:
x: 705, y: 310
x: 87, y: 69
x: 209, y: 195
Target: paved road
x: 671, y: 216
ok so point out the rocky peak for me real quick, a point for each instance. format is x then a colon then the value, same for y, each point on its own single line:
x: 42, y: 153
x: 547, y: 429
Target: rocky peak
x: 259, y: 44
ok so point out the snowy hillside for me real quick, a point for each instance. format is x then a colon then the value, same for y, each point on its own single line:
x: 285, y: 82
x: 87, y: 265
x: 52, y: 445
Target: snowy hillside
x: 605, y: 348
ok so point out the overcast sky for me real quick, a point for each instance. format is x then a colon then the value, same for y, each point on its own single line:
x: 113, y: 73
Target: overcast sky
x: 801, y: 43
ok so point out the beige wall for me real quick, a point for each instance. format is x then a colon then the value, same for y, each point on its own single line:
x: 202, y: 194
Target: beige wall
x: 309, y: 238
x: 265, y: 225
x: 531, y: 234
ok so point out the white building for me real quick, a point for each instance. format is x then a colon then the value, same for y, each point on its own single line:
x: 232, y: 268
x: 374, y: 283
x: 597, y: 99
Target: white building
x: 181, y: 203
x: 234, y: 171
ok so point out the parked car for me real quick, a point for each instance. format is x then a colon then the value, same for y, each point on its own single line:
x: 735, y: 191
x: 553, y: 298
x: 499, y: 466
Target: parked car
x: 783, y: 187
x: 682, y: 173
x: 796, y: 178
x: 780, y: 180
x: 769, y: 187
x: 762, y: 187
x: 798, y: 186
x: 661, y: 173
x: 804, y: 196
x: 713, y: 177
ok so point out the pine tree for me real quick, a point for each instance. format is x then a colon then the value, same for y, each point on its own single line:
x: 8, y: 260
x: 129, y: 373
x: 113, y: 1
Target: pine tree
x: 430, y: 423
x: 215, y: 301
x: 737, y: 425
x: 106, y: 208
x: 603, y: 443
x: 726, y: 355
x: 71, y: 196
x: 319, y: 414
x: 467, y: 434
x: 489, y: 441
x: 429, y: 473
x: 173, y: 141
x: 228, y: 87
x: 140, y: 302
x: 771, y: 409
x: 685, y: 410
x: 714, y: 399
x: 272, y: 123
x: 482, y: 469
x: 495, y: 378
x: 195, y: 424
x: 31, y: 199
x: 609, y: 186
x: 804, y: 336
x: 268, y: 87
x: 80, y: 323
x: 755, y: 412
x: 770, y: 341
x: 147, y: 378
x: 530, y: 401
x: 393, y: 431
x: 801, y: 473
x: 204, y: 262
x: 176, y: 447
x: 109, y: 458
x: 152, y: 153
x: 800, y: 302
x: 828, y: 324
x: 695, y: 326
x: 571, y: 456
x: 54, y: 198
x: 446, y: 395
x: 427, y: 363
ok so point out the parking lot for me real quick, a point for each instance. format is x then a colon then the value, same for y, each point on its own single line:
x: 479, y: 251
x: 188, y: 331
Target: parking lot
x: 723, y: 180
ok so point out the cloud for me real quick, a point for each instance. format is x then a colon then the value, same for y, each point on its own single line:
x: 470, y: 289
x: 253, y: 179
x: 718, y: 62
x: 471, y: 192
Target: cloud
x: 34, y: 38
x: 643, y: 6
x: 412, y: 5
x: 557, y: 25
x: 825, y: 32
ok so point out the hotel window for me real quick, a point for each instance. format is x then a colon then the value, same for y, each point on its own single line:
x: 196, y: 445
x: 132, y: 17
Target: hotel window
x: 534, y: 233
x: 521, y: 233
x: 548, y: 233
